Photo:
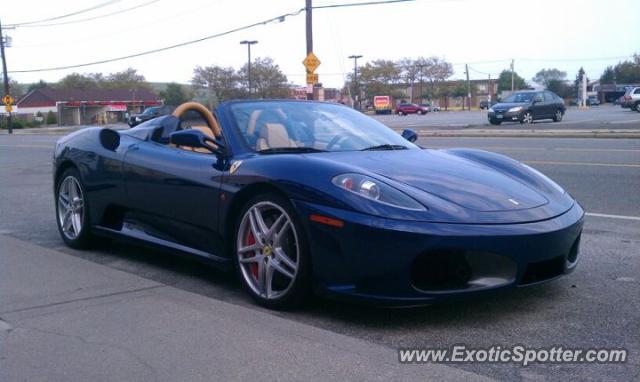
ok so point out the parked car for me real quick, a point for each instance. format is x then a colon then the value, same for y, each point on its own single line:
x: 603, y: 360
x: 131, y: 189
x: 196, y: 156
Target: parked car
x: 411, y: 108
x: 371, y: 218
x: 526, y: 107
x: 593, y: 101
x: 149, y: 113
x: 632, y: 99
x: 486, y: 104
x: 431, y: 107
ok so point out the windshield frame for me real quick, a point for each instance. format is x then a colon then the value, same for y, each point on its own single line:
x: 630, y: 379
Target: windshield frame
x: 227, y: 109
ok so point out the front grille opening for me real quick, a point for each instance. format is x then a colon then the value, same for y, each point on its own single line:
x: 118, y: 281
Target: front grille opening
x: 441, y: 271
x: 543, y: 270
x: 572, y: 257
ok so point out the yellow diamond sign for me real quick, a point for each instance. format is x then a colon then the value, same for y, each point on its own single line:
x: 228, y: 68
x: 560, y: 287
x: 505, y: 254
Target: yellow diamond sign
x: 311, y: 62
x: 7, y: 100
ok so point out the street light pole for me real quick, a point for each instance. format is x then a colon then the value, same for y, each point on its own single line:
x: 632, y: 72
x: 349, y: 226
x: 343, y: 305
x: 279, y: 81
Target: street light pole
x: 248, y: 43
x: 420, y: 95
x: 356, y: 88
x: 308, y: 6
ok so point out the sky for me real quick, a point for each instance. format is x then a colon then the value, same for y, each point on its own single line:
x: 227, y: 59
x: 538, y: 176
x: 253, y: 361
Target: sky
x: 486, y: 34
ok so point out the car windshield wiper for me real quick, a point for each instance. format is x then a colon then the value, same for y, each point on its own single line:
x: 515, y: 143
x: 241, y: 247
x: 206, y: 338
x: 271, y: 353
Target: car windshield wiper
x: 385, y: 146
x: 278, y: 150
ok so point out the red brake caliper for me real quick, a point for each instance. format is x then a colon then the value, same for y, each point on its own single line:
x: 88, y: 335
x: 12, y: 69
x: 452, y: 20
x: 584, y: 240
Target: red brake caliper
x: 253, y: 267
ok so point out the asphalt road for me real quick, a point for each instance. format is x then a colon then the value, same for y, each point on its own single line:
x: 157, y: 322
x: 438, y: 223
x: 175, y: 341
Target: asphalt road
x: 596, y: 306
x: 597, y: 117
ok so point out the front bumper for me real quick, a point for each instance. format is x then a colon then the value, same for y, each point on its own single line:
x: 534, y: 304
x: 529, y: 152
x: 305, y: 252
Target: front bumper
x: 505, y: 116
x: 391, y: 262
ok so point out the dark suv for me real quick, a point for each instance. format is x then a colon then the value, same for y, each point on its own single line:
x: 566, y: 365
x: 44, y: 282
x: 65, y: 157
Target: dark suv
x: 150, y: 113
x: 526, y: 107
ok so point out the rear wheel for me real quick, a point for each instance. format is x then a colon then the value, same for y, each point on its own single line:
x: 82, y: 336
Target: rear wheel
x: 271, y: 253
x: 557, y: 117
x: 72, y: 210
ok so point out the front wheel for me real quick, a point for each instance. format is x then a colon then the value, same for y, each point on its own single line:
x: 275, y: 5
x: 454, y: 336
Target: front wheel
x: 557, y: 117
x: 72, y: 210
x: 527, y: 118
x: 271, y: 253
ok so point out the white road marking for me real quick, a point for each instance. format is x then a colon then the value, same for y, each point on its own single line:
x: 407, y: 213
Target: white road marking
x: 582, y: 163
x: 624, y: 122
x: 623, y: 217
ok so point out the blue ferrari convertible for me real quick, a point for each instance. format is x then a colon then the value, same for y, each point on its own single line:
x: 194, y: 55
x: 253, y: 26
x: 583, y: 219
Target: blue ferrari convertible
x: 300, y: 197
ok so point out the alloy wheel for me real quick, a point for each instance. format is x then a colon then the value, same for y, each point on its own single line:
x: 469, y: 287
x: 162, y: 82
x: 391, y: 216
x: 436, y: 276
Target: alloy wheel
x: 268, y: 250
x: 527, y: 118
x: 71, y: 207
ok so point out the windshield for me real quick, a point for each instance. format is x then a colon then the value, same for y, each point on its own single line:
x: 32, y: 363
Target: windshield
x: 150, y: 110
x: 311, y: 126
x: 519, y: 98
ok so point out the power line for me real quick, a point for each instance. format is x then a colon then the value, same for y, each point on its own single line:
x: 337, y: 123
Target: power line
x: 94, y: 17
x: 280, y: 18
x: 360, y: 4
x: 101, y: 5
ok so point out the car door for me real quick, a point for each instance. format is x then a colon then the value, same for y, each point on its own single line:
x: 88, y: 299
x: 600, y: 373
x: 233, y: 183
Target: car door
x: 176, y: 192
x: 550, y: 104
x: 538, y: 109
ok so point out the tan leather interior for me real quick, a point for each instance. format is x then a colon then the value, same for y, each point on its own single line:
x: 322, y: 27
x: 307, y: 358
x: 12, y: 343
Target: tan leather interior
x: 203, y: 111
x: 274, y: 135
x: 212, y: 129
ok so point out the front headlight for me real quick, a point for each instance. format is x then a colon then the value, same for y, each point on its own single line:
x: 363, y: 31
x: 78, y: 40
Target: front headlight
x: 376, y: 191
x: 491, y: 110
x: 515, y: 109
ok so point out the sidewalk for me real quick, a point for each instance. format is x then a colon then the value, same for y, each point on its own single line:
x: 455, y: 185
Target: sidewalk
x: 63, y: 318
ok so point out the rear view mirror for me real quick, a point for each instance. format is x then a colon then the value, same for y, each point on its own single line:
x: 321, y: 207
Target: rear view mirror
x: 109, y: 139
x: 410, y: 135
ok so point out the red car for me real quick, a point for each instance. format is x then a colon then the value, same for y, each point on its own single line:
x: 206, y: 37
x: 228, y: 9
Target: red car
x: 411, y: 108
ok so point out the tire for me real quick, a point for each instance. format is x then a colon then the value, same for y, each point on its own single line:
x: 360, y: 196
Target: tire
x: 527, y: 118
x: 636, y: 107
x: 264, y: 257
x: 557, y: 117
x: 494, y: 122
x: 72, y: 210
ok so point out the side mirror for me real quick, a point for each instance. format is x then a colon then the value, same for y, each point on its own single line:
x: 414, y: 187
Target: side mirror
x: 109, y: 139
x: 410, y: 135
x: 197, y: 139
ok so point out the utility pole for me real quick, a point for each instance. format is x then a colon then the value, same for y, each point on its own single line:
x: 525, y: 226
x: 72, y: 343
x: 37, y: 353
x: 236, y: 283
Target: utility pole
x: 466, y: 68
x: 512, y: 75
x: 420, y: 66
x: 248, y: 44
x: 356, y: 88
x: 489, y: 89
x: 309, y: 24
x: 6, y: 76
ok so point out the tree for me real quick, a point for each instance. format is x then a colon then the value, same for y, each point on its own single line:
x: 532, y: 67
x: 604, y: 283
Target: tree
x: 379, y: 77
x: 504, y: 81
x: 626, y: 72
x: 77, y: 81
x: 545, y: 75
x: 561, y: 88
x: 128, y: 78
x: 37, y: 85
x: 578, y: 82
x: 267, y: 79
x: 435, y: 70
x: 174, y: 94
x: 220, y: 83
x: 51, y: 118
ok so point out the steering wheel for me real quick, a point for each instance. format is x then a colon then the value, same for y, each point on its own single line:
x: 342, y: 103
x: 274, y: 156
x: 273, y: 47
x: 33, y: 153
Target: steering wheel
x: 203, y: 111
x: 334, y: 141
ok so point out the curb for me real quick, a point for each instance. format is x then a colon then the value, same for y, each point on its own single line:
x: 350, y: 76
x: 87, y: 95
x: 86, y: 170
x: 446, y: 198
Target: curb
x: 480, y: 133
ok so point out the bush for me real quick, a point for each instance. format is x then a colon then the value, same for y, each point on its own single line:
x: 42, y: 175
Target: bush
x: 51, y: 118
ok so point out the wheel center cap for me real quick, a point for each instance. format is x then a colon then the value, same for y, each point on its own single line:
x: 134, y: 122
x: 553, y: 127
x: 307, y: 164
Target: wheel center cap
x: 267, y: 250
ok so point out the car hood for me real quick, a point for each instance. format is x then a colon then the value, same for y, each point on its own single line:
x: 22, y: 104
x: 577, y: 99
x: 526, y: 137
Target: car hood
x: 466, y: 183
x: 508, y: 105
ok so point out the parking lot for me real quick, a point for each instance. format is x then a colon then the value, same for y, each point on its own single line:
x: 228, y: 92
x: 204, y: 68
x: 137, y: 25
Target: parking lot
x: 596, y: 306
x: 605, y: 116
